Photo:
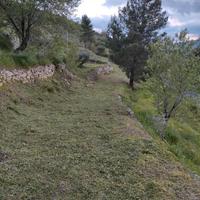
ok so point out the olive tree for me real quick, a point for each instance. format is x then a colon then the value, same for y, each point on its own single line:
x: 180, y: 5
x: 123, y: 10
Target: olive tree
x: 23, y: 15
x: 174, y: 72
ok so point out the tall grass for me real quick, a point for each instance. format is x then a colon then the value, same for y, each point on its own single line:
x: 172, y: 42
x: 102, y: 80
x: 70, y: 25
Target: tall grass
x: 183, y: 132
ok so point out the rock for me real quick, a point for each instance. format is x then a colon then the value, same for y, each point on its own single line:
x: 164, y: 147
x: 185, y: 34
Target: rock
x: 25, y: 76
x: 94, y: 74
x: 130, y: 112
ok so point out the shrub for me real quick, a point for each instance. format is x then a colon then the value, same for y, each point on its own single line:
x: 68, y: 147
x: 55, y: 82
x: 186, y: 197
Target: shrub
x: 83, y: 58
x: 6, y: 59
x: 5, y: 43
x: 100, y: 50
x: 24, y: 59
x: 171, y: 137
x: 60, y: 53
x: 70, y: 58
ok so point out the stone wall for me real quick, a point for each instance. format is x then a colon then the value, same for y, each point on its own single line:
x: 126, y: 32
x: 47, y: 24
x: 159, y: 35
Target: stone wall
x: 26, y: 76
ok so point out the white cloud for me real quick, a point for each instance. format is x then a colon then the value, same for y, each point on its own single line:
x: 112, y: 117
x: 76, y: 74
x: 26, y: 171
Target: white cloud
x: 175, y: 22
x: 96, y: 9
x: 193, y: 36
x: 182, y: 13
x: 98, y: 30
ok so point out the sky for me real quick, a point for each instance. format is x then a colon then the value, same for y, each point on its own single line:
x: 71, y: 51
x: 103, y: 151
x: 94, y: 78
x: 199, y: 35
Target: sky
x: 182, y: 14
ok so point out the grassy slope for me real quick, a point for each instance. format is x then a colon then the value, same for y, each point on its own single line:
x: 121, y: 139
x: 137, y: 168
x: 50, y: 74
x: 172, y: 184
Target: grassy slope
x: 73, y: 143
x: 183, y: 132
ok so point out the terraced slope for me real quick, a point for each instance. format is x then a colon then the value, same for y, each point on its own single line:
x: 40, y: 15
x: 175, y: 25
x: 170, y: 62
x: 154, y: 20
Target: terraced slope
x: 79, y: 143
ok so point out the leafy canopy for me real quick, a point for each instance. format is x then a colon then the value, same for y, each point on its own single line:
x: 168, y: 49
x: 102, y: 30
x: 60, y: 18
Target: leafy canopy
x: 174, y: 73
x: 132, y: 31
x: 87, y: 35
x: 23, y: 15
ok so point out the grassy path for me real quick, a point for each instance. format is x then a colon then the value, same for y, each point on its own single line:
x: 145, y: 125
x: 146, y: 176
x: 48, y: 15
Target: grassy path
x: 59, y: 143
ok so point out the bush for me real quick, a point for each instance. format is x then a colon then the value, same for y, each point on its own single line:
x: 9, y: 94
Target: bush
x: 6, y: 59
x: 60, y: 53
x: 83, y: 58
x: 57, y: 53
x: 5, y: 43
x: 171, y: 137
x: 100, y: 50
x: 24, y: 59
x: 70, y: 58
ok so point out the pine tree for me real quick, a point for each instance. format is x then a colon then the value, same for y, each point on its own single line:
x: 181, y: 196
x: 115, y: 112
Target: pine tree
x: 87, y: 35
x: 132, y: 31
x: 115, y: 38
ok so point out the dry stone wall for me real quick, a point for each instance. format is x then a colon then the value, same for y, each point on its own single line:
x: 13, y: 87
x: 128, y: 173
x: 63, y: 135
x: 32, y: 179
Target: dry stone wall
x: 26, y: 76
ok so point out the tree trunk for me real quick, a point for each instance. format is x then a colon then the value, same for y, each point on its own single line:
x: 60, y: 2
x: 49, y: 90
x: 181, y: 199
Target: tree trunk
x: 23, y: 45
x: 164, y: 126
x: 131, y: 81
x: 25, y: 36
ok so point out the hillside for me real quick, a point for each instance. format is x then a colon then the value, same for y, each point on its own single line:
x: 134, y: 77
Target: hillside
x: 80, y: 142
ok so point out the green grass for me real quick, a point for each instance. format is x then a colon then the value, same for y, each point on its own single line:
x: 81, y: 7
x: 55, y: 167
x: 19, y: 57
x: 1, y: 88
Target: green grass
x: 11, y: 60
x: 71, y: 143
x: 183, y: 132
x: 57, y: 54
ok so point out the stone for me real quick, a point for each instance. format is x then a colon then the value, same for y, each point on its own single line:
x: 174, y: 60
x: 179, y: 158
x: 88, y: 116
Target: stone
x: 25, y: 76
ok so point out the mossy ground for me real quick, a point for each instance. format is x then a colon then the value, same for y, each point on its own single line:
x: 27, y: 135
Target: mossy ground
x: 71, y: 143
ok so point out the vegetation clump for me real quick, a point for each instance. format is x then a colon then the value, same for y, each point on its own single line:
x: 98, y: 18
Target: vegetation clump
x: 173, y: 69
x: 23, y: 16
x: 83, y: 58
x: 130, y: 34
x: 87, y: 34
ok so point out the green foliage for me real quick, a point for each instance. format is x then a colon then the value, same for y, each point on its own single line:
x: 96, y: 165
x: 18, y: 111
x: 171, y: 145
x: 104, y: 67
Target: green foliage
x: 131, y: 32
x: 5, y: 43
x: 100, y: 42
x: 101, y: 50
x: 115, y: 38
x: 93, y: 58
x: 24, y: 59
x: 22, y: 16
x: 6, y: 59
x: 61, y: 52
x: 173, y: 72
x: 71, y: 56
x: 182, y: 135
x: 170, y: 137
x: 12, y: 60
x: 197, y: 51
x: 83, y: 58
x: 87, y: 35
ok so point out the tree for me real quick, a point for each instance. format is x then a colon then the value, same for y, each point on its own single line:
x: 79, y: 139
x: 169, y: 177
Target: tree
x: 132, y: 31
x: 174, y: 73
x: 115, y: 38
x: 87, y: 35
x: 23, y: 15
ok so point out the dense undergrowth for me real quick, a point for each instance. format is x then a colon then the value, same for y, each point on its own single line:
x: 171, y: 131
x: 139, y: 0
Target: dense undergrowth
x: 183, y: 131
x: 31, y: 57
